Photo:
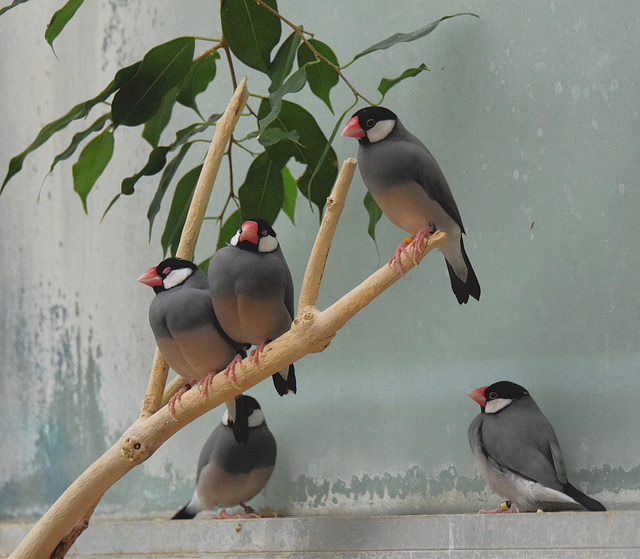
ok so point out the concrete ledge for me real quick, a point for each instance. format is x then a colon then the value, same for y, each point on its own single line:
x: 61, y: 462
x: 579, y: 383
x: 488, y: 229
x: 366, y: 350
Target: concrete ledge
x: 614, y: 534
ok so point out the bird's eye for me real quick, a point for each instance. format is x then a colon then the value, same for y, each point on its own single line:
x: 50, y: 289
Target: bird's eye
x: 166, y: 270
x: 371, y: 123
x: 264, y: 232
x: 493, y: 396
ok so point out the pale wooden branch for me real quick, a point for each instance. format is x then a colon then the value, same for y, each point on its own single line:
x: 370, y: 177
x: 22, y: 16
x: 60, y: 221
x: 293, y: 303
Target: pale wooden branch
x: 320, y: 251
x: 311, y: 331
x: 202, y: 193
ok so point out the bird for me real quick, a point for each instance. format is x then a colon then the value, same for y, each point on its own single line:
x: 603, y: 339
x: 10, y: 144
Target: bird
x: 408, y: 185
x: 230, y: 473
x: 252, y: 293
x: 518, y: 453
x: 187, y: 331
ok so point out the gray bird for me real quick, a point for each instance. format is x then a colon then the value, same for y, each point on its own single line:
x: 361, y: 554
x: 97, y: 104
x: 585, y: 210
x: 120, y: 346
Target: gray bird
x: 407, y: 183
x: 252, y: 293
x: 518, y: 453
x: 230, y: 473
x: 186, y: 329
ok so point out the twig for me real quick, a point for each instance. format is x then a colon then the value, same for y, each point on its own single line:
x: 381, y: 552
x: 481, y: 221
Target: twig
x: 300, y: 32
x: 318, y: 258
x: 191, y: 230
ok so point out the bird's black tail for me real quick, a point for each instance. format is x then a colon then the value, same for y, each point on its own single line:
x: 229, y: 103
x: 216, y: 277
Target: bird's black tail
x: 183, y: 514
x: 463, y: 289
x: 579, y: 497
x: 240, y: 424
x: 284, y: 386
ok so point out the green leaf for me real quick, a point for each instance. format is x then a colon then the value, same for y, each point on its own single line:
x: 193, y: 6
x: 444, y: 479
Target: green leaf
x: 79, y: 111
x: 262, y: 193
x: 60, y: 19
x: 200, y: 75
x: 179, y: 209
x: 91, y: 163
x: 229, y: 229
x: 155, y: 163
x: 165, y: 180
x: 386, y: 84
x: 294, y: 84
x: 375, y: 213
x: 158, y: 156
x: 155, y: 125
x: 283, y: 61
x: 251, y: 31
x: 12, y: 5
x: 307, y: 151
x: 77, y: 139
x: 273, y: 135
x: 321, y: 76
x: 162, y: 68
x: 290, y: 194
x: 406, y: 37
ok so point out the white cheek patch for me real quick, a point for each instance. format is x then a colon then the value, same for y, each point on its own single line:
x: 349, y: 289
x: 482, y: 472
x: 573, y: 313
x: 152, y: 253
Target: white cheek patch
x: 267, y: 244
x: 256, y: 418
x: 234, y: 240
x: 176, y: 277
x: 496, y: 405
x: 381, y: 130
x: 225, y: 417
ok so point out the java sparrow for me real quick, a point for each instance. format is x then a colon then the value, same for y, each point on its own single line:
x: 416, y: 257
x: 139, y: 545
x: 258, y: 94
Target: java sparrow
x: 231, y: 473
x: 518, y: 453
x: 252, y: 293
x: 407, y: 183
x: 187, y: 331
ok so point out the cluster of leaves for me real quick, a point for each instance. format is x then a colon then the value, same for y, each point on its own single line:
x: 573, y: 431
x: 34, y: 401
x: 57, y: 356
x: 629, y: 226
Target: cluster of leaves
x: 146, y: 92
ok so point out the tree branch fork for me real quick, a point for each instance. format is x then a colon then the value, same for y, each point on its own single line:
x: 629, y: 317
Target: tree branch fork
x: 311, y: 332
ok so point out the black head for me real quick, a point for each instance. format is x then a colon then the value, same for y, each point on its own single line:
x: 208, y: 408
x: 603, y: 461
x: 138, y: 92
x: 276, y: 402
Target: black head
x: 498, y: 396
x: 370, y: 124
x: 506, y: 390
x: 169, y: 273
x: 255, y: 235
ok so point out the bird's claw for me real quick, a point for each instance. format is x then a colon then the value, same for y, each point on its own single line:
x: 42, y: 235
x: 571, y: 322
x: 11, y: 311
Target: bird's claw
x: 255, y: 353
x: 230, y: 371
x: 420, y: 237
x: 400, y: 250
x: 175, y: 399
x: 206, y: 382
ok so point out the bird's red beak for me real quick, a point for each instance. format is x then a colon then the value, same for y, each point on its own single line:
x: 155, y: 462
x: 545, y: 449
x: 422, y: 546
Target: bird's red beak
x: 352, y: 129
x: 151, y: 278
x: 478, y: 395
x: 249, y: 232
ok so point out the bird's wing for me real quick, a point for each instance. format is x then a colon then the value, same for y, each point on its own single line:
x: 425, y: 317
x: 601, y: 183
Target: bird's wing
x: 520, y: 442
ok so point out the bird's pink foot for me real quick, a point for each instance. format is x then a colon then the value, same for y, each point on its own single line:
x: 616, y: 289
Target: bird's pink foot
x: 255, y: 353
x: 418, y: 239
x: 402, y: 249
x: 205, y: 383
x: 506, y: 506
x: 171, y: 404
x: 230, y: 371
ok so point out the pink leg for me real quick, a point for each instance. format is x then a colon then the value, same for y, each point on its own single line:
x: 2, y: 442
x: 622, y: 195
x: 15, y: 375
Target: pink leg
x: 224, y: 515
x: 506, y: 506
x: 419, y: 238
x: 231, y: 370
x: 171, y: 404
x: 205, y: 383
x: 256, y: 352
x: 402, y: 249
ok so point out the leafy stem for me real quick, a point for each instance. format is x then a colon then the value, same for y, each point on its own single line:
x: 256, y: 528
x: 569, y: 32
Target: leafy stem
x: 301, y: 33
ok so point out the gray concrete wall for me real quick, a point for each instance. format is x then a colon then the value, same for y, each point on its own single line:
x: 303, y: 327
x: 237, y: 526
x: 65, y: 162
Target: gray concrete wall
x: 532, y: 112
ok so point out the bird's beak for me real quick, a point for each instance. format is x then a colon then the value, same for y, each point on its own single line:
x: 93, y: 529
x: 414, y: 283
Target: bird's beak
x: 249, y: 232
x: 151, y: 278
x: 478, y: 395
x: 352, y: 129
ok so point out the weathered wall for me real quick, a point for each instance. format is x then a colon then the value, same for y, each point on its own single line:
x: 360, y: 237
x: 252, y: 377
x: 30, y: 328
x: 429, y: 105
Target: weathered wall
x: 532, y: 113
